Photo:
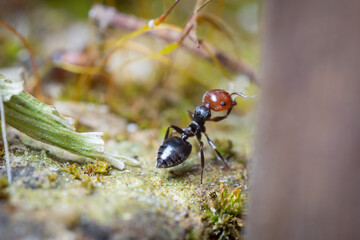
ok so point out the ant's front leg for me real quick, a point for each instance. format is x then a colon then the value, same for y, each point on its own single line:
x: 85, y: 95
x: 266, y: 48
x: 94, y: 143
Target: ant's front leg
x: 217, y: 119
x: 176, y: 128
x: 217, y: 152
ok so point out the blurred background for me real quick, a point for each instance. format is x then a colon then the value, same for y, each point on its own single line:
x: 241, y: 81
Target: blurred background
x: 94, y: 65
x: 151, y: 92
x: 90, y: 60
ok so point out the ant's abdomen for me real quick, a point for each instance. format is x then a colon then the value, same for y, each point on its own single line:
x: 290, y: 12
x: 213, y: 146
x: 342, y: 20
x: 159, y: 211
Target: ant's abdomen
x: 172, y: 152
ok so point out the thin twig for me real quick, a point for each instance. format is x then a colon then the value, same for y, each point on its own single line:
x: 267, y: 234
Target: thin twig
x: 164, y: 16
x: 203, y: 5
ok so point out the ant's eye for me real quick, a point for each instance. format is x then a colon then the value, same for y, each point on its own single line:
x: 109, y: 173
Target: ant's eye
x: 223, y: 103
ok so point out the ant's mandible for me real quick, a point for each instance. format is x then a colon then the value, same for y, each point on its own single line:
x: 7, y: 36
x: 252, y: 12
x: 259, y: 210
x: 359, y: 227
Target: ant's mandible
x: 175, y: 150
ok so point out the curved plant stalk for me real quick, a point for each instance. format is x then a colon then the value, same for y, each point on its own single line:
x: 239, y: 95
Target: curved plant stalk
x: 218, y: 24
x: 7, y: 90
x: 27, y: 45
x: 6, y: 147
x: 44, y: 123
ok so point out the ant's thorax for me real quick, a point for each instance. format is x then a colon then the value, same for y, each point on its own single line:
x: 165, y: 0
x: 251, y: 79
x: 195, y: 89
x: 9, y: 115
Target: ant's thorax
x: 197, y: 125
x: 201, y: 114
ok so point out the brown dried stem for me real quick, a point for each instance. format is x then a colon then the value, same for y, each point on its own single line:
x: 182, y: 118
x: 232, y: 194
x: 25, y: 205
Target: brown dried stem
x: 164, y: 16
x: 190, y: 28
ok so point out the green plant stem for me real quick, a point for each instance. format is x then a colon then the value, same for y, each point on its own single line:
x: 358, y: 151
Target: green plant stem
x: 6, y: 147
x: 44, y: 123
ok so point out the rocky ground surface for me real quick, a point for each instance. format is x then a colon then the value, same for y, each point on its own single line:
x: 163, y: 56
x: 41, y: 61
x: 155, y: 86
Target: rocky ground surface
x: 55, y: 195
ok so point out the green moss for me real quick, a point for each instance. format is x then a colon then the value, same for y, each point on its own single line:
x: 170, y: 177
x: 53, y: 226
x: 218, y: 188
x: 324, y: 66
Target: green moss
x: 223, y: 212
x: 88, y: 174
x: 92, y: 169
x: 99, y: 167
x: 73, y: 169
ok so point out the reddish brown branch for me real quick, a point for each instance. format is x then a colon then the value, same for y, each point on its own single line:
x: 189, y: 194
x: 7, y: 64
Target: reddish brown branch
x: 164, y: 16
x: 107, y: 16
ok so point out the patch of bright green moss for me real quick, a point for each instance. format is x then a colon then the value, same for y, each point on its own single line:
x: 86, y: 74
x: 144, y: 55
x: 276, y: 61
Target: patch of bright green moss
x: 223, y: 212
x: 99, y: 167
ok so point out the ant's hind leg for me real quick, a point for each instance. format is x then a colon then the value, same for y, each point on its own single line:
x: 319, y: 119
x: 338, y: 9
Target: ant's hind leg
x: 217, y: 152
x: 202, y: 157
x: 176, y: 128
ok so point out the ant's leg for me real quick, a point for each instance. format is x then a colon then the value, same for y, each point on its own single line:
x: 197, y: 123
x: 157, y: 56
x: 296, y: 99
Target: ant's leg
x: 191, y: 114
x: 202, y: 157
x: 176, y: 128
x: 215, y: 149
x: 217, y: 119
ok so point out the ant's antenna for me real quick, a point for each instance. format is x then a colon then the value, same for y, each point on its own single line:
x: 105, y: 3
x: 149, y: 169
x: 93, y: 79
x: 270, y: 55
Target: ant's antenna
x: 243, y: 95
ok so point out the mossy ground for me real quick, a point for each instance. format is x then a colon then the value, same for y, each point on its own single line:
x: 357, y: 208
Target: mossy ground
x: 96, y: 201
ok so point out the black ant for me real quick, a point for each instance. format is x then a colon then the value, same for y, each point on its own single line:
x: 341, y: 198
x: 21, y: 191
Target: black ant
x: 175, y: 150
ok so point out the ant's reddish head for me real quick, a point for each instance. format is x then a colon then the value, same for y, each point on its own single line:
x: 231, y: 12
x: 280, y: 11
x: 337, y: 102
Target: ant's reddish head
x: 217, y: 100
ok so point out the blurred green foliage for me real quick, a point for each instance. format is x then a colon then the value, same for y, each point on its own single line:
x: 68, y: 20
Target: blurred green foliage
x: 167, y: 91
